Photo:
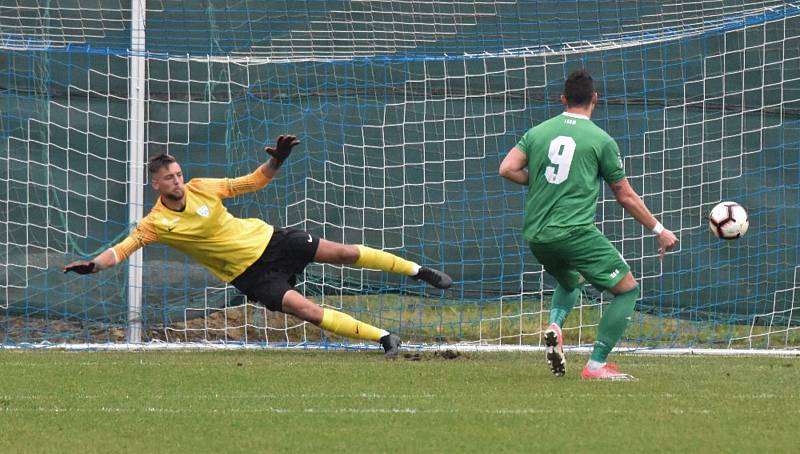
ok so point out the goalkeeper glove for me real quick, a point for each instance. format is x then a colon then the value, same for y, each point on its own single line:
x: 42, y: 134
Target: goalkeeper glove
x: 282, y: 148
x: 80, y: 267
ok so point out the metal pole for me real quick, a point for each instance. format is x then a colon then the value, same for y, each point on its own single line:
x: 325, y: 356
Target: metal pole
x: 136, y: 107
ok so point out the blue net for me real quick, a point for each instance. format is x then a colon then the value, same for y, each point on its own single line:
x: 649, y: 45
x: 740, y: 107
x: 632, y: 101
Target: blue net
x: 405, y: 110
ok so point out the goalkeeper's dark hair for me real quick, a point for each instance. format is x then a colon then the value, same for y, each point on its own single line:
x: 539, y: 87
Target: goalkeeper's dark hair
x: 155, y: 163
x: 579, y: 88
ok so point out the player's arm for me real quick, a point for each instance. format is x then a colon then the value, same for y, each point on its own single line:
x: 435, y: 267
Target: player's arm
x: 633, y: 204
x: 105, y: 260
x: 142, y: 235
x: 515, y: 167
x: 260, y: 177
x: 612, y: 171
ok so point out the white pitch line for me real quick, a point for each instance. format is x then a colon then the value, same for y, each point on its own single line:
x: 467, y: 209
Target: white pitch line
x: 464, y: 348
x: 223, y: 397
x: 369, y: 396
x: 356, y: 411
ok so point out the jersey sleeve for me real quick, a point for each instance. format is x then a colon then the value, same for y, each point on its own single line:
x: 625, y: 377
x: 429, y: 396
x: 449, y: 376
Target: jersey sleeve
x: 143, y: 234
x: 611, y: 168
x: 524, y: 143
x: 231, y: 187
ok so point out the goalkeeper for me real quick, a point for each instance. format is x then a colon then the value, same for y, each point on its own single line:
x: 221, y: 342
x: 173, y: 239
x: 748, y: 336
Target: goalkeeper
x: 260, y: 260
x: 560, y: 161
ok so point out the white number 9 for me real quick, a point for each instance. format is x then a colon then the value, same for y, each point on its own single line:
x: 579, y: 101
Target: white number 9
x: 561, y: 151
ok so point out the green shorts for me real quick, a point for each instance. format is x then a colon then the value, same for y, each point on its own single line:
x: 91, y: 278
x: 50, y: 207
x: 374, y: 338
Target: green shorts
x: 584, y: 252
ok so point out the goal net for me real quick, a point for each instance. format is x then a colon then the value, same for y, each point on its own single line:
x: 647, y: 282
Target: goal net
x: 405, y: 110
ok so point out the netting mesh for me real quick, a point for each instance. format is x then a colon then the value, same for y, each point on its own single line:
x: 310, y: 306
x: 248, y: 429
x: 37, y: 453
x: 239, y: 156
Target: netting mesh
x: 405, y: 111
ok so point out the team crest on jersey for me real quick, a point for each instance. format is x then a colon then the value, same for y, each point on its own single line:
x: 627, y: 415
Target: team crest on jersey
x: 203, y: 211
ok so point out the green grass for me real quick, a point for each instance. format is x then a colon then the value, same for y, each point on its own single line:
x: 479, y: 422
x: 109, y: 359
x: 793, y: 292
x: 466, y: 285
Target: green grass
x: 277, y: 401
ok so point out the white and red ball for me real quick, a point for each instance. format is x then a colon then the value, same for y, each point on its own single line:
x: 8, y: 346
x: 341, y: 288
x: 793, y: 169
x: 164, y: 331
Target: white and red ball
x: 728, y: 220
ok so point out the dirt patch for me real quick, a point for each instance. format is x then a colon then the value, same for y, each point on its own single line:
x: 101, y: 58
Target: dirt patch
x: 412, y: 357
x: 446, y: 355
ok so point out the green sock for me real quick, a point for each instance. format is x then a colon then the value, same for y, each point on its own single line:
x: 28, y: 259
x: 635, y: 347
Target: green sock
x: 562, y: 303
x: 614, y: 323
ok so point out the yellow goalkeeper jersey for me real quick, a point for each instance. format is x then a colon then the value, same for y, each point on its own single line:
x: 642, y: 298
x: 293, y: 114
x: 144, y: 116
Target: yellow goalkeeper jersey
x: 204, y: 230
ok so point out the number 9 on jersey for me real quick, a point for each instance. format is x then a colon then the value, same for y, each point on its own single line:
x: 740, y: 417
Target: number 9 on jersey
x: 562, y: 148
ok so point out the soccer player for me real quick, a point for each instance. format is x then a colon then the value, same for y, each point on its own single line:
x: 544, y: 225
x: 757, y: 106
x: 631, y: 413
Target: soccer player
x: 560, y: 161
x: 258, y: 259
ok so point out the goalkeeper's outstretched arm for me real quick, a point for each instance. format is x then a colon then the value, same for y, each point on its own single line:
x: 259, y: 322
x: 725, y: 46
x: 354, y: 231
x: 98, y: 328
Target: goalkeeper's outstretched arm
x: 142, y: 235
x: 259, y: 178
x: 105, y: 260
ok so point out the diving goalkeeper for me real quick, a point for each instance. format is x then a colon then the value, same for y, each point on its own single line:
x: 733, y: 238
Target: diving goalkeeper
x: 260, y: 260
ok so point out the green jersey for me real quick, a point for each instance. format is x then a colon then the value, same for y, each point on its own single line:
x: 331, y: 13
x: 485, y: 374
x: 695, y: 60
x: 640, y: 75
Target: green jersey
x: 567, y: 155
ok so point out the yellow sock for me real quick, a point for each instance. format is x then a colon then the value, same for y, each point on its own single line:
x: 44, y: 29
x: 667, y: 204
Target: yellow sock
x: 385, y: 261
x: 345, y: 325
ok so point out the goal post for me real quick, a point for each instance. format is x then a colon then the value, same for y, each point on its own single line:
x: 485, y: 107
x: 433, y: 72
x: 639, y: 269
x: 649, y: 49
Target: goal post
x: 136, y: 181
x: 405, y: 110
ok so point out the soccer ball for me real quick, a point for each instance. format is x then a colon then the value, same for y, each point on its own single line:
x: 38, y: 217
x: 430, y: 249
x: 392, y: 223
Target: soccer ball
x: 728, y: 220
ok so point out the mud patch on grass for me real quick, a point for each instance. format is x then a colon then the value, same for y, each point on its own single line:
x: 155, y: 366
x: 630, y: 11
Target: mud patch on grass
x: 448, y: 354
x: 445, y: 355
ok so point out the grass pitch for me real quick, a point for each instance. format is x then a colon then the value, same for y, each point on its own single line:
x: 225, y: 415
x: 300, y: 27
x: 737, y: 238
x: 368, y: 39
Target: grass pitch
x: 278, y: 401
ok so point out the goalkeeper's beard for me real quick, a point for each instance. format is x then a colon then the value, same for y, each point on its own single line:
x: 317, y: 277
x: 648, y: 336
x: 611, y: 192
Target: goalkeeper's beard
x: 175, y: 196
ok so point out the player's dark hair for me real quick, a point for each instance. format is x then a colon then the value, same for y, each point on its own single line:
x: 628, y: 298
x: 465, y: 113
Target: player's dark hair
x: 578, y: 89
x: 155, y: 163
